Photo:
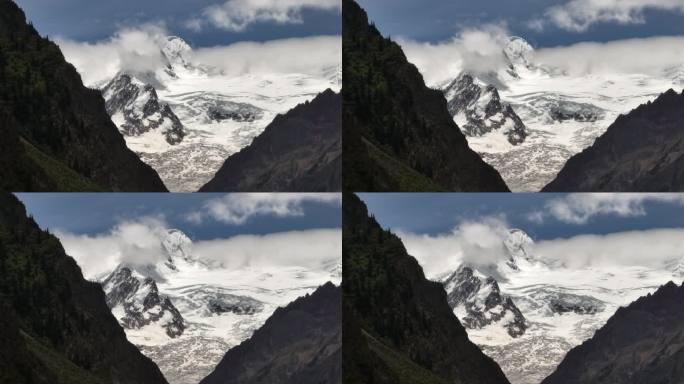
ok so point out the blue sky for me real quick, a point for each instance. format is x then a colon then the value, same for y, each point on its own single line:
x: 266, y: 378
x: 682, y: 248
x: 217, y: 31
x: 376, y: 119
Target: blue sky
x: 542, y: 216
x: 97, y: 213
x: 439, y: 20
x: 90, y: 21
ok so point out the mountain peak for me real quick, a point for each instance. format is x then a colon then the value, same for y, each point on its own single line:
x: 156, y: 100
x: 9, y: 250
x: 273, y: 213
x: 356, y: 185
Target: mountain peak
x: 178, y: 246
x: 176, y: 50
x: 519, y: 51
x: 519, y: 245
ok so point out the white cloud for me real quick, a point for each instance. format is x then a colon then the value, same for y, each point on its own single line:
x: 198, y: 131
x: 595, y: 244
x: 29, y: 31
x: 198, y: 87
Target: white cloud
x: 579, y: 15
x: 481, y: 244
x: 237, y: 15
x: 316, y: 248
x: 478, y: 243
x: 478, y: 51
x: 482, y: 54
x: 581, y: 207
x: 139, y: 243
x: 652, y: 248
x: 132, y: 49
x: 237, y: 208
x: 139, y: 50
x: 308, y: 55
x: 134, y: 242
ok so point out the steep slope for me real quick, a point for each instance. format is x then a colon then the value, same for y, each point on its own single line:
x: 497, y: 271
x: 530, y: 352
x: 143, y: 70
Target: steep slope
x: 398, y: 134
x: 69, y: 141
x: 62, y: 321
x: 641, y: 344
x: 299, y: 151
x: 300, y: 343
x: 135, y: 108
x: 477, y: 109
x: 403, y: 319
x: 642, y: 151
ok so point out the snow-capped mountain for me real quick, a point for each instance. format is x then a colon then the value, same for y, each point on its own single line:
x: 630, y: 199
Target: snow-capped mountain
x: 185, y: 313
x: 478, y: 110
x: 562, y: 113
x: 477, y: 301
x: 135, y: 109
x: 561, y: 306
x: 220, y: 113
x: 136, y: 303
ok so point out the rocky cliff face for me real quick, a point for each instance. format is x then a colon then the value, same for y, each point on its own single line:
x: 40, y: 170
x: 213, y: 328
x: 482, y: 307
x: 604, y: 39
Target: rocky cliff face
x: 398, y: 133
x: 135, y: 108
x: 65, y: 137
x: 478, y: 110
x: 300, y: 343
x: 640, y: 152
x: 62, y: 330
x: 642, y: 343
x: 399, y: 318
x: 299, y: 151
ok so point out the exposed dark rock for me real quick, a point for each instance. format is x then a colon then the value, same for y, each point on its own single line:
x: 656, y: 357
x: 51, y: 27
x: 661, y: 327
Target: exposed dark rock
x: 642, y: 151
x: 300, y: 343
x: 400, y: 318
x: 398, y: 133
x: 642, y: 343
x: 483, y: 109
x: 299, y: 151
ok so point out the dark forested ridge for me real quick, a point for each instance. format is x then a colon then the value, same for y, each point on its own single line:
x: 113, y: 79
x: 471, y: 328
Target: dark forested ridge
x: 300, y: 343
x: 642, y: 343
x: 642, y: 151
x: 55, y: 134
x: 300, y: 151
x: 398, y: 134
x: 399, y: 327
x: 55, y: 326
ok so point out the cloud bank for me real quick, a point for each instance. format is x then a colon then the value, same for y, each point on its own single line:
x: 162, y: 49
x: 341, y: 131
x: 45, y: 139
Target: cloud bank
x: 481, y: 244
x: 139, y: 243
x: 579, y: 15
x: 480, y: 52
x: 138, y: 50
x: 581, y: 207
x: 237, y: 208
x: 237, y: 15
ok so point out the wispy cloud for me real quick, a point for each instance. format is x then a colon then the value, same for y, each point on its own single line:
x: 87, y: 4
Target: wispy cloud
x: 237, y: 15
x: 579, y: 15
x: 238, y: 208
x: 581, y: 207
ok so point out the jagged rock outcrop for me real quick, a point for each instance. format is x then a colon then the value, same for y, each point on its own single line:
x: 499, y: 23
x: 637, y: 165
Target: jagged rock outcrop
x: 135, y: 108
x: 399, y: 319
x: 642, y: 343
x: 642, y: 151
x: 299, y: 151
x: 62, y: 136
x: 478, y: 109
x: 136, y: 302
x: 59, y: 325
x: 398, y: 133
x: 300, y: 343
x: 478, y: 302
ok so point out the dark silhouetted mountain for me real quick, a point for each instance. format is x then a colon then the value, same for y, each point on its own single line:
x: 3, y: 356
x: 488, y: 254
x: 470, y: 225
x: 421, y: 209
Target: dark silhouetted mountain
x: 61, y: 136
x: 401, y: 328
x: 642, y: 151
x: 642, y: 343
x: 398, y: 133
x: 56, y: 326
x: 300, y: 343
x: 299, y: 151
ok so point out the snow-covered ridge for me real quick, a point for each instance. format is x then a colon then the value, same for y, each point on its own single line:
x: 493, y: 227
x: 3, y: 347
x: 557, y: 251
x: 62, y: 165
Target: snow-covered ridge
x: 185, y: 313
x: 561, y: 306
x: 220, y: 113
x: 562, y: 113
